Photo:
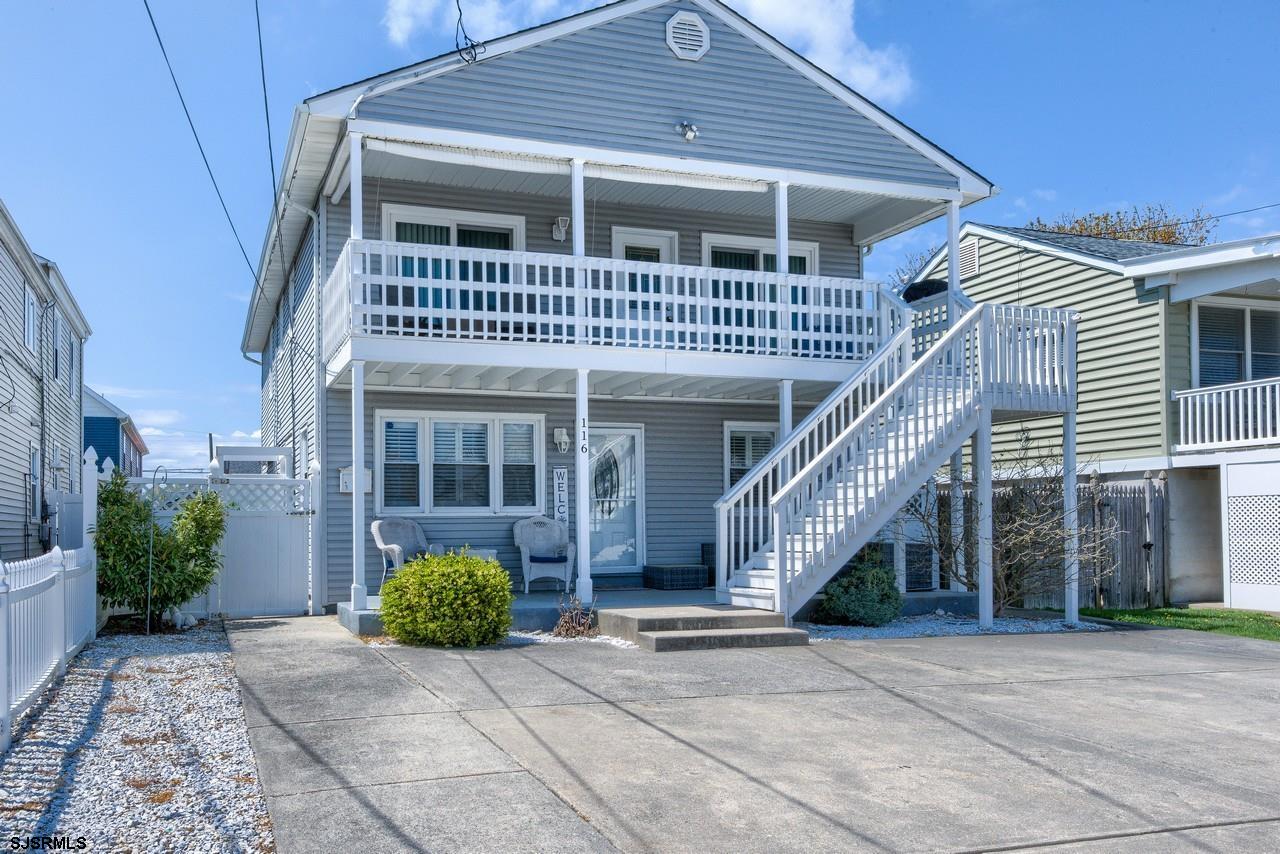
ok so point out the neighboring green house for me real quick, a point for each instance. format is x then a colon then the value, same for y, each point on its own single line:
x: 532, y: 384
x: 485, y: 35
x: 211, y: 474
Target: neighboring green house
x: 1178, y: 370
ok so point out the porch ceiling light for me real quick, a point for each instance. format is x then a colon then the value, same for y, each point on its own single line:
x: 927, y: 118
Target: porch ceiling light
x: 688, y: 130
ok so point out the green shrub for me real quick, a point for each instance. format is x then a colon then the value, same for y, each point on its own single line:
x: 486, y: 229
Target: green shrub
x: 867, y: 596
x: 185, y: 556
x: 456, y: 599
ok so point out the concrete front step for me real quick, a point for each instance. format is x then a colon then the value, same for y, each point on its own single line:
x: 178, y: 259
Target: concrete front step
x: 721, y: 639
x: 699, y: 627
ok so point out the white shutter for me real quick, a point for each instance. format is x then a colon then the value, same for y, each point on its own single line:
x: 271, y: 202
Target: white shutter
x: 401, y: 474
x: 968, y: 258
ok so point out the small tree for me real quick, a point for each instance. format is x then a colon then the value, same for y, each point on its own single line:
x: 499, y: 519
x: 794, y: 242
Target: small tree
x: 1154, y: 223
x: 1029, y: 530
x: 911, y: 265
x: 184, y: 558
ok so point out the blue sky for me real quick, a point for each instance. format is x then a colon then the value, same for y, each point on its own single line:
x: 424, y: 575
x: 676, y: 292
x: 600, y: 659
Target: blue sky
x: 1066, y: 107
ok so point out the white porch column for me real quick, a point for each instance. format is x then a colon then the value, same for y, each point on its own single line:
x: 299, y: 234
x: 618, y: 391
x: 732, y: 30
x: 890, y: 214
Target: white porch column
x: 781, y: 232
x: 579, y: 212
x: 982, y: 466
x: 953, y: 261
x: 356, y: 141
x: 359, y: 599
x: 1071, y: 564
x: 784, y: 409
x: 582, y: 489
x: 957, y: 518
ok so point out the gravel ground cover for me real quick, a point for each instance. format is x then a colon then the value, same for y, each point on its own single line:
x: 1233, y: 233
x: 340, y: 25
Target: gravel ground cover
x: 943, y: 625
x: 141, y: 747
x: 524, y: 638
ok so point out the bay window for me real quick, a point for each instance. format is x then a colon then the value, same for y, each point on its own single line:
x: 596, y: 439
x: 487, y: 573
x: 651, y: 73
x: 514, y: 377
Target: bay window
x: 459, y: 463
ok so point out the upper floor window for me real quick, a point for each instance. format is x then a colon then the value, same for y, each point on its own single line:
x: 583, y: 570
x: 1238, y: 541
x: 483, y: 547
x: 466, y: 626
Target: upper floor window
x: 445, y: 227
x: 738, y: 252
x: 1236, y: 344
x: 56, y: 343
x: 31, y: 321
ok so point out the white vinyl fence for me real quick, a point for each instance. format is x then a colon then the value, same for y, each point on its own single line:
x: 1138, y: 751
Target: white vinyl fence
x: 48, y: 611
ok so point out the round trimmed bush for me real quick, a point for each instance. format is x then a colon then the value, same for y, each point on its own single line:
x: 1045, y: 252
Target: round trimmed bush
x: 456, y: 599
x: 867, y: 596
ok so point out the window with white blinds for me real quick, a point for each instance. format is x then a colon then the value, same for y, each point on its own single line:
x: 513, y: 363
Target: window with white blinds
x: 745, y: 446
x: 1236, y: 344
x: 459, y: 463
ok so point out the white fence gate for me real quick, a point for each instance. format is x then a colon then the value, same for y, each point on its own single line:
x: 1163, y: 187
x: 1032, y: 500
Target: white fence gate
x: 1251, y: 535
x: 266, y: 563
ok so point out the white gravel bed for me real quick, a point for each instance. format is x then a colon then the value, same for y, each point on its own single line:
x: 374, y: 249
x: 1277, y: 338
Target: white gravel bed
x: 943, y: 625
x: 525, y: 638
x: 141, y: 747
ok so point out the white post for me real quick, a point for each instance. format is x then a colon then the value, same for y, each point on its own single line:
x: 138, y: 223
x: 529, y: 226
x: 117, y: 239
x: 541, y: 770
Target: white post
x: 89, y: 495
x: 356, y: 141
x: 582, y: 488
x: 953, y: 262
x: 781, y: 233
x: 1071, y: 564
x: 59, y: 558
x: 900, y: 554
x: 957, y: 518
x: 982, y: 464
x: 784, y: 409
x: 579, y: 210
x: 6, y: 665
x: 359, y: 597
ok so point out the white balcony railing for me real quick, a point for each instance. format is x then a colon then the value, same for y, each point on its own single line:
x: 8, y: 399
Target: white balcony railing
x: 1239, y: 415
x: 380, y: 288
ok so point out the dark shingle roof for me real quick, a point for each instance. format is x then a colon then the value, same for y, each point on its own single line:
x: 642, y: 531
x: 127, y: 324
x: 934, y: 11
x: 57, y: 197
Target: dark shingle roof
x: 1108, y: 248
x: 923, y: 289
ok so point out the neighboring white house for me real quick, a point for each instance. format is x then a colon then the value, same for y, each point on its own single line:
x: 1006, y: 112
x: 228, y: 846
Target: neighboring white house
x: 563, y: 267
x: 42, y: 336
x: 1179, y: 371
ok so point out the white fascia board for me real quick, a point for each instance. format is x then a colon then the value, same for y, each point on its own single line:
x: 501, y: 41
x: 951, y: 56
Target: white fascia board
x: 1203, y: 282
x: 1199, y: 257
x: 1223, y: 457
x: 613, y: 157
x: 969, y: 181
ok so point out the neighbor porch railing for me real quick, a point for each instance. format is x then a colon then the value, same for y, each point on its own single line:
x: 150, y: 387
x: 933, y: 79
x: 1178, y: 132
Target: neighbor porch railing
x: 379, y: 288
x: 1238, y: 415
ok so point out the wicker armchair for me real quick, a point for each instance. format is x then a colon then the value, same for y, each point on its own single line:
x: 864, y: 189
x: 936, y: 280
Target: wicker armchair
x: 545, y: 549
x: 400, y: 540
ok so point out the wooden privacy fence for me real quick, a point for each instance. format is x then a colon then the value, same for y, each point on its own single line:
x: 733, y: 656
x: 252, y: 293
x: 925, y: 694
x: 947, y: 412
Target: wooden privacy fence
x: 1131, y: 522
x: 48, y: 611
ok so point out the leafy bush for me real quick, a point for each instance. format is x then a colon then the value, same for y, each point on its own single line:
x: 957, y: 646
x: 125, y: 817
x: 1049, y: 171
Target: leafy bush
x: 866, y: 596
x: 456, y: 599
x: 185, y: 556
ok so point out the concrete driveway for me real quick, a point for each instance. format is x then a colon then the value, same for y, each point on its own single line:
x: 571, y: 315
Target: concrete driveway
x: 1125, y: 740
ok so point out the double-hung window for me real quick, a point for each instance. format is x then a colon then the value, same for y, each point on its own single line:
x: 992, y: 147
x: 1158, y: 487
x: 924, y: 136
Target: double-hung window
x: 1236, y: 343
x: 31, y: 321
x: 459, y: 463
x: 56, y: 344
x: 738, y: 252
x: 745, y: 445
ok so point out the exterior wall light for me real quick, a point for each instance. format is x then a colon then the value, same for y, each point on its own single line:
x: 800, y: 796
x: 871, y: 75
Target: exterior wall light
x: 560, y: 228
x: 688, y: 130
x: 561, y: 436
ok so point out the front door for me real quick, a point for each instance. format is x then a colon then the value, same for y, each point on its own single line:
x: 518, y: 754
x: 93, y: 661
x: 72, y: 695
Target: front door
x: 617, y: 504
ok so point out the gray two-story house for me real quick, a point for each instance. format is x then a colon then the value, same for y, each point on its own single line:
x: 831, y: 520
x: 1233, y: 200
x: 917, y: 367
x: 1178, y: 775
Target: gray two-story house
x: 42, y: 337
x: 611, y: 272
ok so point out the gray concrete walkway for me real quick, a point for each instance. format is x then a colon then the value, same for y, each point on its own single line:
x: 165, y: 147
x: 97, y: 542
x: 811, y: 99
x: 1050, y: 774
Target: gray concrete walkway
x: 1127, y: 740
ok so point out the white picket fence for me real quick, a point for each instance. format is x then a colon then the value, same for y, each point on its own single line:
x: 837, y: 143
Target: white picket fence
x: 48, y: 612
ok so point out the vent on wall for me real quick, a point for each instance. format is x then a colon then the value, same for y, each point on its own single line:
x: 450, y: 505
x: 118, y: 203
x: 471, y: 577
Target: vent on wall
x: 688, y: 36
x: 968, y: 258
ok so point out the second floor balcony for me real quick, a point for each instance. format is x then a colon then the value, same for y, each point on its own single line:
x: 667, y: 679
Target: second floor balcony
x: 386, y: 291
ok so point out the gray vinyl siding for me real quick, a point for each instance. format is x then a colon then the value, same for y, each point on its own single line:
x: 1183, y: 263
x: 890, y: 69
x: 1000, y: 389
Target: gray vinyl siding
x: 837, y: 253
x: 289, y: 368
x: 618, y: 86
x: 1118, y: 355
x: 684, y: 474
x: 19, y: 423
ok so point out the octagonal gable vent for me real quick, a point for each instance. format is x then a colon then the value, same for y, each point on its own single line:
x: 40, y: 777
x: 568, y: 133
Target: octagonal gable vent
x: 688, y: 36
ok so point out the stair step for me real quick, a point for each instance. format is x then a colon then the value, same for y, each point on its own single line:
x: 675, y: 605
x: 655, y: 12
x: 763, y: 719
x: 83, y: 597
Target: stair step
x: 747, y: 597
x: 673, y: 641
x: 630, y: 623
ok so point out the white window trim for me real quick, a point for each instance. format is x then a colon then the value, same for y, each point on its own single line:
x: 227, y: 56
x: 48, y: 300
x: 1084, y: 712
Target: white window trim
x: 666, y: 242
x: 755, y: 426
x: 56, y: 354
x: 1245, y: 305
x: 31, y: 321
x: 494, y: 421
x: 807, y: 248
x: 451, y: 217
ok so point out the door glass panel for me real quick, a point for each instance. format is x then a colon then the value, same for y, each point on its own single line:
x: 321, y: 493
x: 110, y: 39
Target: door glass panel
x: 484, y: 238
x: 417, y: 232
x: 648, y: 254
x: 734, y: 259
x: 796, y: 265
x: 615, y: 499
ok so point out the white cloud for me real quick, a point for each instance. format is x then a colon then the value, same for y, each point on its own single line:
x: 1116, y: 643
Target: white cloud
x: 180, y: 450
x: 822, y: 30
x: 129, y: 393
x: 157, y: 417
x: 1045, y: 195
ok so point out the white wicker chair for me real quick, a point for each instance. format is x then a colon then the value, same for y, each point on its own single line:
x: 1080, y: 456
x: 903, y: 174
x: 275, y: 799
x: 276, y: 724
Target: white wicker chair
x: 545, y: 550
x: 400, y: 540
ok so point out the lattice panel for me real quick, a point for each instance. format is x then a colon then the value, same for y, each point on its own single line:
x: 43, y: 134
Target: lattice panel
x: 1253, y: 523
x: 257, y: 496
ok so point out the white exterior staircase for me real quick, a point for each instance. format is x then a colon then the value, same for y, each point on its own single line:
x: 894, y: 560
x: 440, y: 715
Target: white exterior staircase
x: 843, y: 473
